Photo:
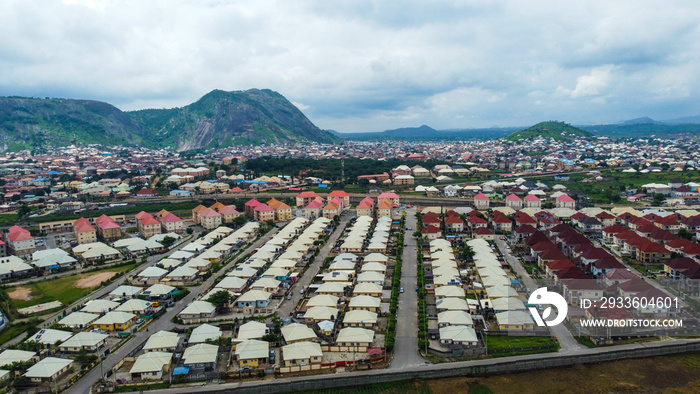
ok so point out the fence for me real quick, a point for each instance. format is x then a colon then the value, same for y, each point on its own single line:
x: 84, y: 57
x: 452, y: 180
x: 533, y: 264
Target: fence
x: 469, y: 368
x: 348, y: 349
x: 304, y: 368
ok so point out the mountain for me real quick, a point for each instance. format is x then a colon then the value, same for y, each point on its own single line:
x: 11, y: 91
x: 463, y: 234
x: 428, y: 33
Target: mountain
x: 683, y: 120
x: 428, y: 133
x: 32, y: 123
x: 222, y: 119
x: 218, y: 119
x: 559, y: 131
x: 642, y: 120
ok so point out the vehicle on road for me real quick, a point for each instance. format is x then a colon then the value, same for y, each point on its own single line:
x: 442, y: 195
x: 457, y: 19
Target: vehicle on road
x: 401, y: 290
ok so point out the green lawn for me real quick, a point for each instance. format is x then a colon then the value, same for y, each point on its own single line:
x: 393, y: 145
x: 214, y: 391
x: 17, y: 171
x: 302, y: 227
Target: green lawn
x: 62, y: 289
x: 15, y: 329
x: 8, y: 219
x: 507, y: 341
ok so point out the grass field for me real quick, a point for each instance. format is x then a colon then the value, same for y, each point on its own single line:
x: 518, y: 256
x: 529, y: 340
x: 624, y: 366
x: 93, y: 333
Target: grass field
x: 8, y: 219
x: 507, y: 341
x: 62, y: 289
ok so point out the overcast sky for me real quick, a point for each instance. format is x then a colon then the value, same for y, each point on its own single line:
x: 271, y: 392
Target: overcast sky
x: 359, y: 66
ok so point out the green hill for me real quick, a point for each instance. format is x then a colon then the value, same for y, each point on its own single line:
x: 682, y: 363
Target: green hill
x: 559, y: 131
x: 216, y: 120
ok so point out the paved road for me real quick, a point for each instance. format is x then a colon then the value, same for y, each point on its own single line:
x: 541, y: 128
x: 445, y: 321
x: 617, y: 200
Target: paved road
x: 568, y: 343
x: 162, y: 323
x: 406, y: 345
x: 288, y: 306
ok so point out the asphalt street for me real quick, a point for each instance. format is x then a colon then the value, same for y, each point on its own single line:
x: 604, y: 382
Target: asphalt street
x: 406, y: 345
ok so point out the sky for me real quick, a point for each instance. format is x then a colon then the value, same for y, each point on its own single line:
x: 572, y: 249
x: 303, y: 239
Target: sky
x: 359, y: 66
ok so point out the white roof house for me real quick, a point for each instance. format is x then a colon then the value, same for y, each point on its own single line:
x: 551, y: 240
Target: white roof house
x: 364, y: 302
x: 251, y: 349
x: 126, y: 292
x: 202, y: 353
x: 323, y: 300
x: 151, y: 363
x: 318, y: 313
x: 252, y: 330
x: 360, y: 317
x: 355, y: 336
x: 84, y: 340
x: 198, y: 307
x: 514, y: 318
x: 301, y: 351
x: 183, y: 272
x: 376, y: 258
x: 48, y: 368
x: 204, y: 332
x: 114, y: 317
x: 464, y: 335
x: 158, y: 290
x: 452, y: 304
x: 135, y: 306
x: 243, y: 272
x: 10, y: 356
x: 232, y: 283
x: 296, y: 332
x: 50, y: 336
x: 162, y: 341
x: 78, y: 319
x: 455, y: 318
x: 152, y: 272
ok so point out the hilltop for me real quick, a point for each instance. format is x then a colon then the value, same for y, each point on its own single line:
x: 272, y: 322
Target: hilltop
x: 559, y: 131
x: 218, y: 119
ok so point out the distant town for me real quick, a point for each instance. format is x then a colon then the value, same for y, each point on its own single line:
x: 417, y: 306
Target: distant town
x: 135, y: 269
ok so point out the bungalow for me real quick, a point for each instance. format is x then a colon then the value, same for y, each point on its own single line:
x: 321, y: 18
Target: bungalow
x: 254, y: 299
x: 162, y: 341
x: 458, y: 335
x: 200, y: 357
x: 297, y: 332
x: 302, y: 353
x: 515, y: 321
x: 251, y: 353
x: 197, y: 312
x: 151, y: 365
x: 115, y: 321
x: 360, y: 318
x: 49, y: 369
x: 355, y: 337
x: 89, y: 341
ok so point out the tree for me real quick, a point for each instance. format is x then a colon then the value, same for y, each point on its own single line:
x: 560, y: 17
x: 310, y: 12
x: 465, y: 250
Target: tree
x: 168, y: 241
x: 240, y: 220
x: 220, y: 298
x: 684, y: 233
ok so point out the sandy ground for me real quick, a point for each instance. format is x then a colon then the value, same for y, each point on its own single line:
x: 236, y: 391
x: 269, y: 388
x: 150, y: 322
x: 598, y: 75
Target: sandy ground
x: 21, y: 293
x: 94, y: 280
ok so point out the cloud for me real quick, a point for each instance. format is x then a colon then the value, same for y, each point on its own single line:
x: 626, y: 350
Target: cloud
x: 592, y: 84
x: 359, y: 66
